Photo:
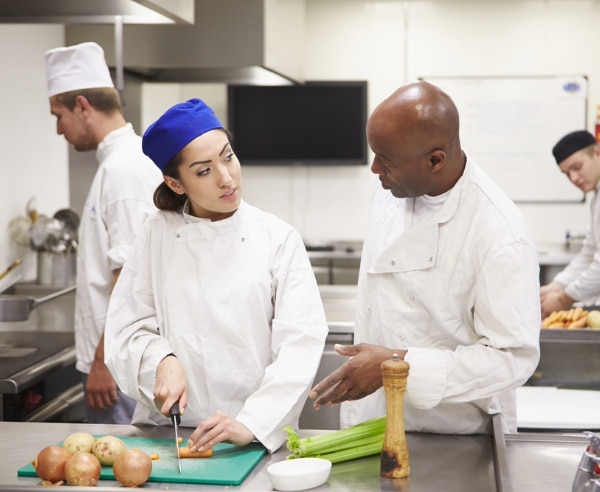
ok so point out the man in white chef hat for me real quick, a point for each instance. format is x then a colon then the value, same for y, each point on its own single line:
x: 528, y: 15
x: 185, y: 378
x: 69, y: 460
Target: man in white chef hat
x: 89, y: 115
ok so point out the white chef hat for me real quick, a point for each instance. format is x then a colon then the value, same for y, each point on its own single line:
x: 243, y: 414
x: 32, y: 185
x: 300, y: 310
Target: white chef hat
x: 72, y: 68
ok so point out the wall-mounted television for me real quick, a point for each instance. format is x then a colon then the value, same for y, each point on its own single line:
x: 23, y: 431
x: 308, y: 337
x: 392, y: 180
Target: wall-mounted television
x: 315, y: 123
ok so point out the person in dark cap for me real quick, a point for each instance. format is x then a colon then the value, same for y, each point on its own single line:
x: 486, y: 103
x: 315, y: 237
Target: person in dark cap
x: 217, y: 308
x: 578, y: 157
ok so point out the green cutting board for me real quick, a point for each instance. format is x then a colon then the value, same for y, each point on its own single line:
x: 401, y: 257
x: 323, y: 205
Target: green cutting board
x: 229, y: 464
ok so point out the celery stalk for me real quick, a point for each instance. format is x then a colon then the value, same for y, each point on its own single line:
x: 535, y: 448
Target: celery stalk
x: 360, y: 440
x: 353, y: 453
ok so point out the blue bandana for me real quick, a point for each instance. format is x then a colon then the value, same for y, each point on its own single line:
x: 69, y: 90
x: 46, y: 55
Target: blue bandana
x: 176, y: 128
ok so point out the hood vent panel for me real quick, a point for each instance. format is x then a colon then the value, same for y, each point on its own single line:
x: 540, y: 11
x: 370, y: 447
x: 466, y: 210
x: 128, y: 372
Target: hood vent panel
x: 96, y: 11
x: 233, y: 41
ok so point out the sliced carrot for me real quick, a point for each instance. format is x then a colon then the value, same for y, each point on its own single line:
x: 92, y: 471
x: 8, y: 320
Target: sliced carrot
x: 184, y: 452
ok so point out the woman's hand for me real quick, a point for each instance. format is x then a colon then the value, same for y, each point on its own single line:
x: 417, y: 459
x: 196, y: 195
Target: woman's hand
x: 170, y: 386
x: 217, y: 428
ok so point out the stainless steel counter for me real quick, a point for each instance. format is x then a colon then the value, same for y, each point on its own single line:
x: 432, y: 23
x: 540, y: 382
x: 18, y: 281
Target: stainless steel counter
x: 339, y: 266
x: 568, y: 359
x: 478, y: 463
x: 339, y: 303
x: 553, y: 257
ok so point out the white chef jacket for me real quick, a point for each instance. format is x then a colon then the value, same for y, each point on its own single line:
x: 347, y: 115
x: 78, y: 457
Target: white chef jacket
x: 581, y: 277
x: 237, y: 302
x: 119, y: 201
x: 460, y: 291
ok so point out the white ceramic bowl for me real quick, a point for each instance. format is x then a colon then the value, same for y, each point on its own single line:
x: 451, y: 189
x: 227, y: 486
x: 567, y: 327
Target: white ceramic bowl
x: 299, y: 473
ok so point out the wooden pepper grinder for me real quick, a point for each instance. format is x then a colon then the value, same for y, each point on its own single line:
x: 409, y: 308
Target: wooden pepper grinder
x: 394, y: 455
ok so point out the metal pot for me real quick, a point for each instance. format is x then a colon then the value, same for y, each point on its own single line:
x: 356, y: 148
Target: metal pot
x: 18, y: 307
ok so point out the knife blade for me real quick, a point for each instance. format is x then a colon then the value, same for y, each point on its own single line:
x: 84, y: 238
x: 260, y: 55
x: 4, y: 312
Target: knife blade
x: 176, y: 419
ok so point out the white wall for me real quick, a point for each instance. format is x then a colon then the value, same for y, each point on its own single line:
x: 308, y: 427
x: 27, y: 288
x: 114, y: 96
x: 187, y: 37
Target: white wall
x: 33, y: 160
x: 511, y: 37
x: 387, y: 42
x: 391, y: 42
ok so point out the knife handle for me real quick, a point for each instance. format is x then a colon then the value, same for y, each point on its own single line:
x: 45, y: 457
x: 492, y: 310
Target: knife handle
x: 175, y: 414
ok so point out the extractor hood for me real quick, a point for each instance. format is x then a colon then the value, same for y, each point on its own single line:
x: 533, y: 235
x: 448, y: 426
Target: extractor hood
x: 97, y: 11
x: 233, y: 41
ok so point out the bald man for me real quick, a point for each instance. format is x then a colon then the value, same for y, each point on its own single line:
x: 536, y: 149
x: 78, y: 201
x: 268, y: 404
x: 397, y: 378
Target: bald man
x: 448, y: 280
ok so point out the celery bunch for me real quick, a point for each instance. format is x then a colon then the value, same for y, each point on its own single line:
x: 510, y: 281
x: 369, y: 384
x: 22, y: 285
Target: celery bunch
x: 364, y: 439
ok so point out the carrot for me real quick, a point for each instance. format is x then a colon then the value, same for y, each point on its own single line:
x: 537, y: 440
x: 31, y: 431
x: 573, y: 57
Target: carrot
x: 184, y: 452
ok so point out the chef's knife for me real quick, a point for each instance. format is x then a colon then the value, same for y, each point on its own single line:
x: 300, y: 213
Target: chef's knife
x: 176, y: 419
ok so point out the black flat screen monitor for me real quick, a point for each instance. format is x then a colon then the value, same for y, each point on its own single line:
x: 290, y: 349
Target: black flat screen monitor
x: 315, y: 123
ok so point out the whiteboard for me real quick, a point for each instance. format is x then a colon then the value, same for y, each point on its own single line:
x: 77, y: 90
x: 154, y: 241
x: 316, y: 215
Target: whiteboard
x: 510, y: 124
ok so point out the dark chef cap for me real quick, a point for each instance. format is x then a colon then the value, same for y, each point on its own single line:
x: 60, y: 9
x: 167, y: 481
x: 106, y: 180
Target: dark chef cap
x: 571, y: 143
x: 176, y: 128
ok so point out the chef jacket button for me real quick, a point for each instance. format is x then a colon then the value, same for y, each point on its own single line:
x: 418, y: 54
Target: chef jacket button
x: 243, y: 239
x: 412, y: 298
x: 369, y: 310
x: 430, y: 259
x: 393, y: 262
x: 178, y: 235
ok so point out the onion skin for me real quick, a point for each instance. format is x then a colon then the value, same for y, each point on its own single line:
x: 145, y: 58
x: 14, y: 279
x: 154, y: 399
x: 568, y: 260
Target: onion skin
x: 82, y: 469
x: 50, y: 463
x: 132, y: 468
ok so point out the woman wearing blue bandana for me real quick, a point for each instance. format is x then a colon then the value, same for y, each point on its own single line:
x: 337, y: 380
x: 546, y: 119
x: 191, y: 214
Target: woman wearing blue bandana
x: 217, y: 307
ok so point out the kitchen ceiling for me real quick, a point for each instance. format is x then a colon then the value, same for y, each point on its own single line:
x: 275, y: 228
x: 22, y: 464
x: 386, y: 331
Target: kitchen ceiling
x: 97, y: 11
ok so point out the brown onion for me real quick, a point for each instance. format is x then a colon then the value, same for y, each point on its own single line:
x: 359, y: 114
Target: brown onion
x: 82, y: 469
x: 132, y: 468
x: 50, y: 463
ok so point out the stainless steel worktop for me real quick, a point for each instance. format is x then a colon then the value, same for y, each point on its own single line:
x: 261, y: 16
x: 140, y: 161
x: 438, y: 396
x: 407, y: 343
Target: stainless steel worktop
x: 478, y: 463
x: 339, y: 302
x: 568, y: 359
x: 337, y: 266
